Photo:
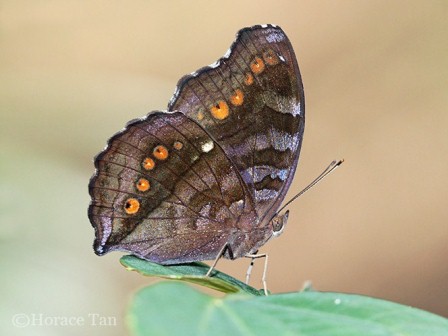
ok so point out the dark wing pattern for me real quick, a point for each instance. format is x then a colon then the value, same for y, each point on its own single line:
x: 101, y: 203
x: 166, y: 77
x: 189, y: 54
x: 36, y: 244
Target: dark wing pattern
x: 252, y: 103
x: 175, y: 187
x: 165, y: 191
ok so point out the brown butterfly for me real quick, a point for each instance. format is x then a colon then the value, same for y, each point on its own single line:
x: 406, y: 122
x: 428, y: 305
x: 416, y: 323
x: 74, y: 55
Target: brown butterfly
x: 206, y: 178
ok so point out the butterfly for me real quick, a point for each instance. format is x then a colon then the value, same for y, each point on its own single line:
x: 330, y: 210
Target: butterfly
x: 206, y: 178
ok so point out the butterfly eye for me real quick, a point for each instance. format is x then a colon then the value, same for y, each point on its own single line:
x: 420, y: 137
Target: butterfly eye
x: 279, y: 223
x: 131, y: 206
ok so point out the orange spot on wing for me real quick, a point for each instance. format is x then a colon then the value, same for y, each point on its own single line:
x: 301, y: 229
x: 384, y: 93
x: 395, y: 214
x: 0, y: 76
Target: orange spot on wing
x: 200, y: 115
x: 220, y: 111
x: 148, y: 164
x: 257, y: 66
x: 248, y: 79
x: 270, y: 57
x: 160, y: 152
x: 143, y: 184
x: 238, y: 98
x: 131, y: 206
x: 178, y: 145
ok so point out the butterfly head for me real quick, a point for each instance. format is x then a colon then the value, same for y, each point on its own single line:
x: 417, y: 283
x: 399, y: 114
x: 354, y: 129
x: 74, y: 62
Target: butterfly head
x: 278, y: 223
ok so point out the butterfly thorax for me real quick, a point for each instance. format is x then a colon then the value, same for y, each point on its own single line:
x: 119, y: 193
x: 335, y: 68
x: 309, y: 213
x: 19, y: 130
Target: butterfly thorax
x: 242, y: 242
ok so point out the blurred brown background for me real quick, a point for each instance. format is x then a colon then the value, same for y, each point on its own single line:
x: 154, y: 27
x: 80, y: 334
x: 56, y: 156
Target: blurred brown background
x: 376, y: 80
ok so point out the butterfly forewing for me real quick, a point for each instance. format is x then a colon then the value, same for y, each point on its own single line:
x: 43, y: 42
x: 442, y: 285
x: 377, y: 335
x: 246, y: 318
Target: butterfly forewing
x: 251, y: 102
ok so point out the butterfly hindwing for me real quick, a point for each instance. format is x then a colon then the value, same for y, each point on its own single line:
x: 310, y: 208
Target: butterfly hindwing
x: 165, y: 191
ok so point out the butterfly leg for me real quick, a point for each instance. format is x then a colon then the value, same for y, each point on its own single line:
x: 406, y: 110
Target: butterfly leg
x: 249, y: 270
x: 220, y: 254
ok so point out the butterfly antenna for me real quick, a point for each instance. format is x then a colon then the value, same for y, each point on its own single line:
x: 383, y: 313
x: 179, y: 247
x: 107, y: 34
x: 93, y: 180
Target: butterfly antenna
x: 331, y: 167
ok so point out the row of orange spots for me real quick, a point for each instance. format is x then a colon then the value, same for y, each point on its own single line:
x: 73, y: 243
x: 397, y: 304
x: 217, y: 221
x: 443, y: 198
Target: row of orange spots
x: 160, y: 152
x: 258, y: 65
x: 221, y: 110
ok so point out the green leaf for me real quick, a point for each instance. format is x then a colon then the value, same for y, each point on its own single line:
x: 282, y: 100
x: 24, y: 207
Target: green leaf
x: 191, y: 272
x: 177, y: 309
